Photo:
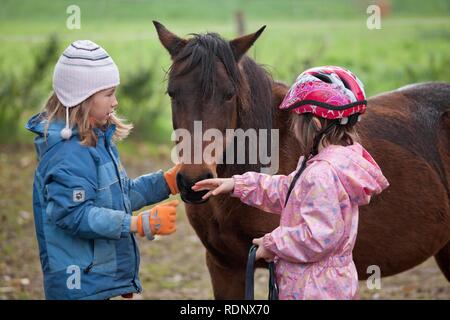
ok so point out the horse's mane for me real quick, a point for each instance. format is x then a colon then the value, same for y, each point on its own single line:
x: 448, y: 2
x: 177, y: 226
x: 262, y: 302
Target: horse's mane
x: 259, y: 111
x: 203, y: 49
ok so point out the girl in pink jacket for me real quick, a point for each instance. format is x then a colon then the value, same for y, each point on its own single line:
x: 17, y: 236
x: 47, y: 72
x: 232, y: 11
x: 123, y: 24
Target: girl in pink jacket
x: 318, y: 202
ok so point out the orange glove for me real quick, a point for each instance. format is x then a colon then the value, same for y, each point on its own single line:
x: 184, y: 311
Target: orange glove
x: 171, y: 178
x: 158, y: 220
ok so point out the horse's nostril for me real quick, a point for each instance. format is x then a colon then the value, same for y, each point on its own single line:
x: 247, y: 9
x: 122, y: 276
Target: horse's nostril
x: 209, y: 176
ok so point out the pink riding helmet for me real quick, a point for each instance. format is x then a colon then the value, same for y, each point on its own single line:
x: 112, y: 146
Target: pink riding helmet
x: 328, y: 92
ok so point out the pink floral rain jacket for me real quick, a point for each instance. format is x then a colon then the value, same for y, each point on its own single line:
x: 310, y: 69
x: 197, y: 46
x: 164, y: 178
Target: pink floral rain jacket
x: 318, y: 227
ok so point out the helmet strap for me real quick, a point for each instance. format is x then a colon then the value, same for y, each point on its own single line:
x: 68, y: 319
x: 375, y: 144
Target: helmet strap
x: 297, y: 175
x: 321, y: 134
x: 312, y: 153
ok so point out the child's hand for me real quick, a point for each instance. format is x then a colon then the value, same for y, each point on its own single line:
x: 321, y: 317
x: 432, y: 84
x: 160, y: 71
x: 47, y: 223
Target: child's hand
x: 159, y: 220
x: 171, y: 178
x: 262, y: 252
x: 217, y: 186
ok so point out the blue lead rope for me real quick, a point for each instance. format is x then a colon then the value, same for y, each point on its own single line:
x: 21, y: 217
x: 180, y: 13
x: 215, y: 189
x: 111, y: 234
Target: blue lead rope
x: 250, y: 277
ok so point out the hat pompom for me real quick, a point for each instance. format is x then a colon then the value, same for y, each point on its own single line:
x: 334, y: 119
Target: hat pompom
x: 66, y: 133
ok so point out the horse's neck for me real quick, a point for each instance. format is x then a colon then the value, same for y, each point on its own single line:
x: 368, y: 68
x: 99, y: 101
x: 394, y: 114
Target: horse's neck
x: 288, y: 146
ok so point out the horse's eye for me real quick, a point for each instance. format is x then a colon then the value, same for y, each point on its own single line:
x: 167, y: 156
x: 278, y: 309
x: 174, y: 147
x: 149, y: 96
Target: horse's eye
x: 228, y: 96
x: 171, y: 93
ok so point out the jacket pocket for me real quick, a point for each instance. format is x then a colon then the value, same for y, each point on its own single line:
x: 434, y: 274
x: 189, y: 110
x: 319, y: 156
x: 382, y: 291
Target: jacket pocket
x: 63, y: 250
x: 105, y: 259
x: 291, y: 280
x: 107, y: 177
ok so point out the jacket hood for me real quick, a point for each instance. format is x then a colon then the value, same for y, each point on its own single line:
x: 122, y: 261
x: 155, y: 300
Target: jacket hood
x: 356, y: 169
x: 37, y: 123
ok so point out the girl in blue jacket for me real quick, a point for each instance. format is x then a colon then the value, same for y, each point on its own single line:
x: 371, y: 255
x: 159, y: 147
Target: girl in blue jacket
x: 82, y: 198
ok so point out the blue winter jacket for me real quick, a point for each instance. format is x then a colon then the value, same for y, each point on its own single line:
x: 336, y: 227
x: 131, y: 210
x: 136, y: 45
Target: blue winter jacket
x: 83, y: 202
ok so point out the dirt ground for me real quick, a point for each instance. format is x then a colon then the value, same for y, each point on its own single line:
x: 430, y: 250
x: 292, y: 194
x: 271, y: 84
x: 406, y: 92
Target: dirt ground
x: 172, y: 267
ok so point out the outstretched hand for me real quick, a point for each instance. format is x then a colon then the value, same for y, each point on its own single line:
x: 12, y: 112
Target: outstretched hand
x: 216, y: 186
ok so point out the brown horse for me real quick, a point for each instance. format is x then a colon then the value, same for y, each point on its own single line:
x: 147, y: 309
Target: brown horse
x: 407, y: 131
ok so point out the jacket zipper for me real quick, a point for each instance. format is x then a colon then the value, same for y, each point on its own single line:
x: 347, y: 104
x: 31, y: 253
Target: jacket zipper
x: 135, y: 264
x: 88, y: 268
x: 124, y: 205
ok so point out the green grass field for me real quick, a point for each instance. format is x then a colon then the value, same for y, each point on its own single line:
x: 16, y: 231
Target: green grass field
x: 411, y: 46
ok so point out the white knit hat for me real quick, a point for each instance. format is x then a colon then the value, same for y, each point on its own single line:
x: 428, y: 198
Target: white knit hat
x: 83, y: 69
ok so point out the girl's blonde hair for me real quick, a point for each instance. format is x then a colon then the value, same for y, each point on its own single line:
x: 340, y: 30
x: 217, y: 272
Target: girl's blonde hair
x: 305, y: 128
x: 79, y: 117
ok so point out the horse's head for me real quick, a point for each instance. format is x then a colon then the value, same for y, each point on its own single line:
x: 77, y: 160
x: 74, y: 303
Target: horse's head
x: 205, y: 83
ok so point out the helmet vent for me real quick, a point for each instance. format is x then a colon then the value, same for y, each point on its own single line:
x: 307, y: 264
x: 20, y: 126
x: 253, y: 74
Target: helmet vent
x: 323, y: 77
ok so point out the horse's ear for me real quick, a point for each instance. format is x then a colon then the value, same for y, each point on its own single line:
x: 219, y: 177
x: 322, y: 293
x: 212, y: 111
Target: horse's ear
x: 170, y: 41
x: 242, y: 44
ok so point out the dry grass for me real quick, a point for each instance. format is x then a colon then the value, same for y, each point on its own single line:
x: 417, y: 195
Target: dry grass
x: 172, y: 267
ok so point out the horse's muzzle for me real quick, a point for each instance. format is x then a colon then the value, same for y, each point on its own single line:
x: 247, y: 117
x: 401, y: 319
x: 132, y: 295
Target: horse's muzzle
x: 185, y: 186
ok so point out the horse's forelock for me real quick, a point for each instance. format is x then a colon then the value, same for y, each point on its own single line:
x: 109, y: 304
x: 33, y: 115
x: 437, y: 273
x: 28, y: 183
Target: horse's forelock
x: 203, y: 50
